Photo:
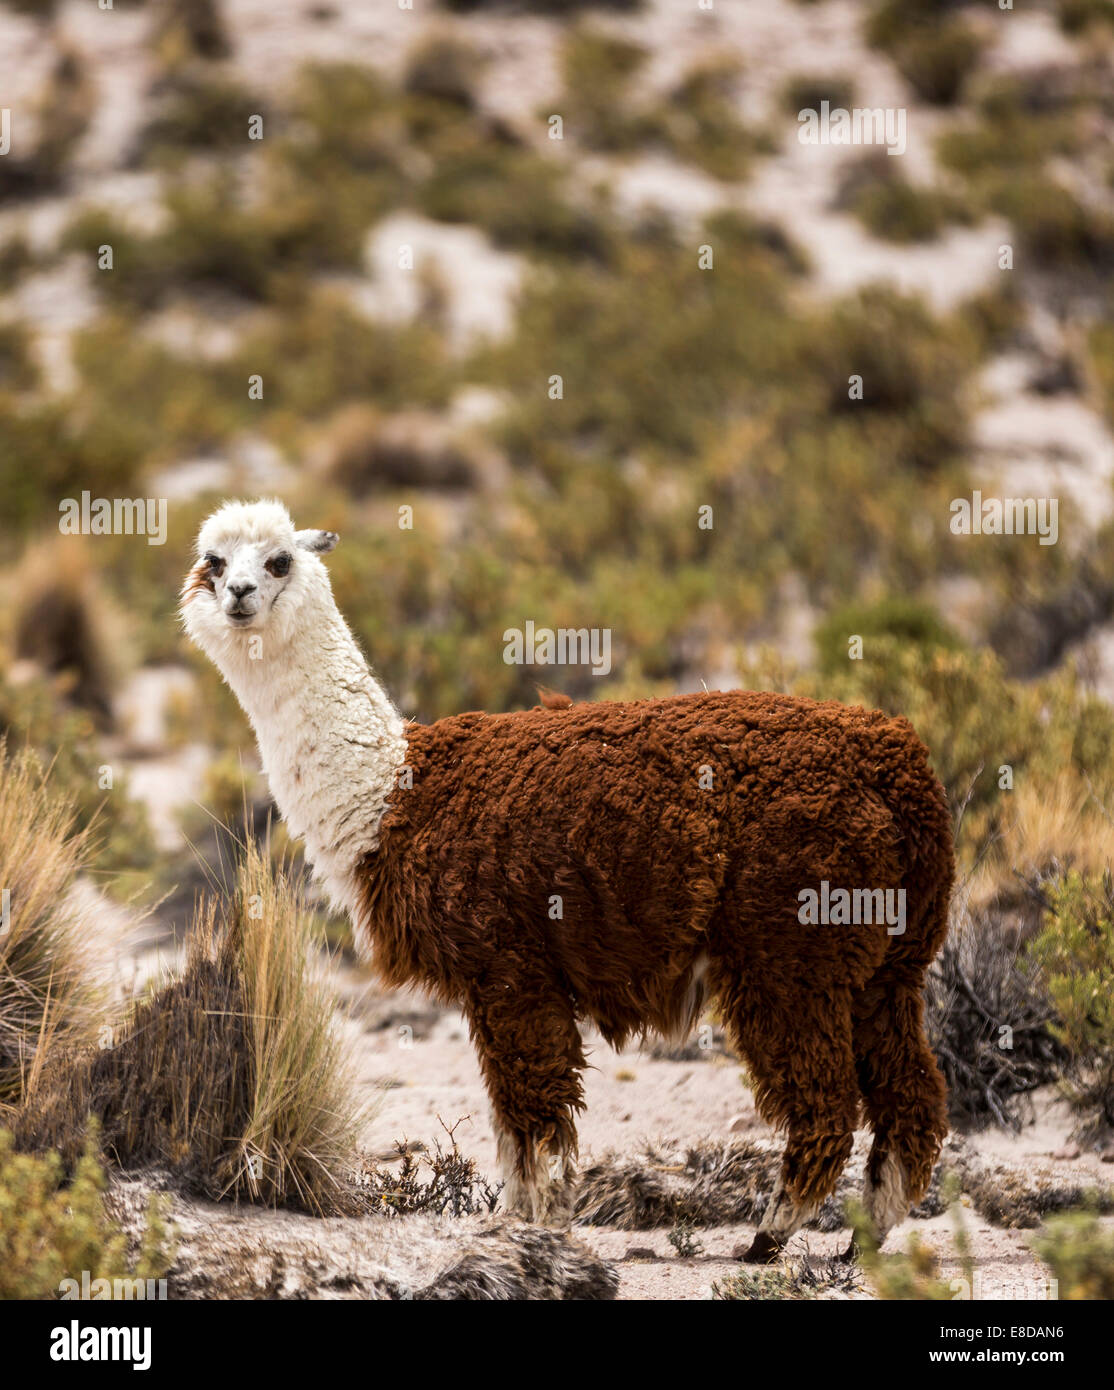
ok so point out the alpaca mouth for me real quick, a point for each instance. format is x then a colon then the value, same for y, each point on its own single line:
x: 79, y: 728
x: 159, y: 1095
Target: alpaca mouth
x: 238, y: 617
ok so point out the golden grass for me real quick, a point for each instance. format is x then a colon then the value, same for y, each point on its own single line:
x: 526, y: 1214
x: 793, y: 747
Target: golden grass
x: 1046, y: 828
x: 48, y: 996
x: 233, y: 1074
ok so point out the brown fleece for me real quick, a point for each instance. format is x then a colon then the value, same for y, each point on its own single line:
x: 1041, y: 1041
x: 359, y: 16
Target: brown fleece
x: 605, y: 812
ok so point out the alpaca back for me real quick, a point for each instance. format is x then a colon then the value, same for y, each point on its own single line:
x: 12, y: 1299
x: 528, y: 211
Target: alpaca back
x: 611, y: 844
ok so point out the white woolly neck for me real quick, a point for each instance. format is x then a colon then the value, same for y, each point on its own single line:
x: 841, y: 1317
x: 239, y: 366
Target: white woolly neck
x: 330, y: 740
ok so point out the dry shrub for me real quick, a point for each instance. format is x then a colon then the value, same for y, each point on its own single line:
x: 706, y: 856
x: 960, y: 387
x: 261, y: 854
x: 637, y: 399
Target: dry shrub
x: 187, y: 30
x: 710, y: 1185
x: 989, y: 1020
x: 453, y: 1184
x: 445, y: 68
x: 796, y: 1281
x: 364, y: 451
x: 48, y: 994
x: 64, y: 624
x: 232, y: 1076
x: 61, y: 112
x: 1019, y: 1199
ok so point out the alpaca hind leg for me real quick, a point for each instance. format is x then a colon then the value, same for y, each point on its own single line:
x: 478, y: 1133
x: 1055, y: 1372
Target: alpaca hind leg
x: 803, y: 1071
x: 531, y: 1057
x: 904, y: 1097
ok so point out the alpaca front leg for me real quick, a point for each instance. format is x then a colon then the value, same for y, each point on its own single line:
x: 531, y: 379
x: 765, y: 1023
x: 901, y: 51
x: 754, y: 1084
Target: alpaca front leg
x: 539, y: 1178
x: 810, y: 1169
x: 531, y: 1056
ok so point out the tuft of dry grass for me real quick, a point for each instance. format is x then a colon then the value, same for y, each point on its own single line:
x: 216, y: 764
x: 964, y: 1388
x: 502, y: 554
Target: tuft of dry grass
x: 48, y: 994
x: 64, y: 625
x: 233, y: 1075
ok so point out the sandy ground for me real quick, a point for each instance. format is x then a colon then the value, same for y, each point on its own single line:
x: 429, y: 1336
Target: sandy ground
x: 415, y: 1064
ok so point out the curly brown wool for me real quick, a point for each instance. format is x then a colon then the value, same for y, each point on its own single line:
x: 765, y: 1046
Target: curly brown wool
x: 622, y: 862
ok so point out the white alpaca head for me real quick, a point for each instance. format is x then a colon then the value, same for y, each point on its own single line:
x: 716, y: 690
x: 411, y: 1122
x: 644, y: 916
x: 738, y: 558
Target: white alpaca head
x: 254, y: 574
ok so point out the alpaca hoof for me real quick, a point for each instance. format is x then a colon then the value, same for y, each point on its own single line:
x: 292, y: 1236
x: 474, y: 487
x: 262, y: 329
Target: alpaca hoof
x: 763, y: 1249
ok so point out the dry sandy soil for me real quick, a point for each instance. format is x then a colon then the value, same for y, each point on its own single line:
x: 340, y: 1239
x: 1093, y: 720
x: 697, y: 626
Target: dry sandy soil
x: 648, y: 1110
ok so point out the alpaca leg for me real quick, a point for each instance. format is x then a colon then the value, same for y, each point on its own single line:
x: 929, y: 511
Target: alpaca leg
x: 904, y: 1096
x: 803, y: 1072
x: 531, y: 1056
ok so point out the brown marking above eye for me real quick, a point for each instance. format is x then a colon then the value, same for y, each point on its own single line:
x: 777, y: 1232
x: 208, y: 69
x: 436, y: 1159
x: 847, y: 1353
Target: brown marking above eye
x: 278, y: 565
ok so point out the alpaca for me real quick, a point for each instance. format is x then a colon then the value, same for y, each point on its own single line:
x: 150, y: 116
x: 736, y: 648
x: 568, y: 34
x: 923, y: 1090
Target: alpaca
x: 621, y: 863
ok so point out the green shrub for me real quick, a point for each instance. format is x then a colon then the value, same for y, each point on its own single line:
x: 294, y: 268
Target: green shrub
x: 806, y: 92
x: 51, y: 1231
x: 1076, y: 951
x: 907, y: 621
x: 1077, y: 16
x: 895, y: 210
x: 18, y: 371
x: 445, y: 68
x: 698, y: 124
x: 120, y: 849
x: 51, y: 450
x: 200, y: 111
x: 597, y: 102
x: 1056, y: 230
x: 1079, y: 1248
x: 913, y: 1274
x: 934, y: 51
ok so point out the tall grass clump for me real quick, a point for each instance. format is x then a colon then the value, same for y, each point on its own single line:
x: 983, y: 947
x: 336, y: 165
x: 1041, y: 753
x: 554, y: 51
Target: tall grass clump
x: 232, y: 1075
x: 48, y: 998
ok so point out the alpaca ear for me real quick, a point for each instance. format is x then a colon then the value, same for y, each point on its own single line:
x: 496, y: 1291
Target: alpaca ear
x: 319, y: 542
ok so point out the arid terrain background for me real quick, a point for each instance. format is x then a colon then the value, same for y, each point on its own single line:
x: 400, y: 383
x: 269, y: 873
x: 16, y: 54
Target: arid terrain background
x: 362, y: 209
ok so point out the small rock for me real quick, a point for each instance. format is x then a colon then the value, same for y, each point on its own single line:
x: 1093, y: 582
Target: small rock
x: 640, y: 1252
x: 741, y: 1123
x: 1068, y: 1152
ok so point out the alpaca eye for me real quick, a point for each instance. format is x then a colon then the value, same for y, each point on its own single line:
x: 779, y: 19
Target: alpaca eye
x: 215, y: 563
x: 279, y: 566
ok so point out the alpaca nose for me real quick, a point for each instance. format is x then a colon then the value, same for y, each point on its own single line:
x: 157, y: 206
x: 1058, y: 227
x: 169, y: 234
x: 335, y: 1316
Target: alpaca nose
x: 238, y: 591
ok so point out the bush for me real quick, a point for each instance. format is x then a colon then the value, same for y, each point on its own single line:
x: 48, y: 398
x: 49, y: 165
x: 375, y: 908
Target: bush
x: 197, y: 110
x: 48, y: 996
x: 232, y: 1075
x: 50, y: 1231
x: 1056, y: 230
x: 698, y: 124
x: 806, y: 92
x: 444, y: 68
x: 17, y: 368
x: 1080, y: 1250
x: 915, y: 1272
x: 63, y: 624
x: 990, y: 1023
x: 933, y: 51
x: 1076, y: 951
x: 596, y: 102
x: 1077, y: 16
x: 120, y: 847
x: 905, y: 620
x: 892, y: 208
x: 937, y: 63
